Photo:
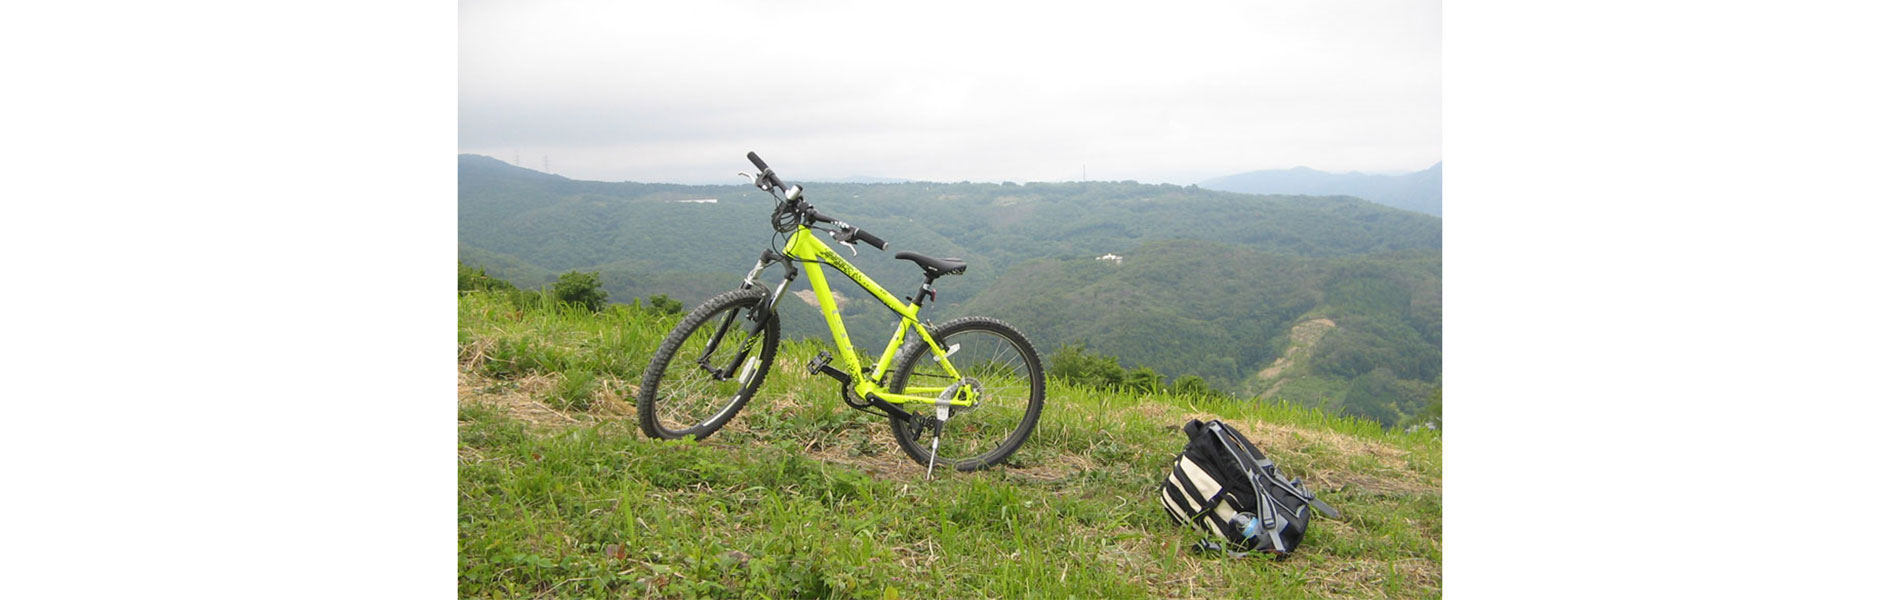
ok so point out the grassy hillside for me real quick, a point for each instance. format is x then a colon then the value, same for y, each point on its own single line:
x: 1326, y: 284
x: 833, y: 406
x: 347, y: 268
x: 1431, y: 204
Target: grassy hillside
x: 560, y: 496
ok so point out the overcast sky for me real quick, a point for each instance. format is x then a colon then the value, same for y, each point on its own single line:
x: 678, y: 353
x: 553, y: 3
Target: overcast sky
x: 1174, y: 92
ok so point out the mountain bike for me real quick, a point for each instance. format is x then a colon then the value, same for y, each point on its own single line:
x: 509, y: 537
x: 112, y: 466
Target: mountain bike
x: 974, y: 385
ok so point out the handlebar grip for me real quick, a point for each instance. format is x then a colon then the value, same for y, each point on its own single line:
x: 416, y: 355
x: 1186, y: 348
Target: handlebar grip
x: 770, y: 177
x: 760, y: 164
x: 876, y: 242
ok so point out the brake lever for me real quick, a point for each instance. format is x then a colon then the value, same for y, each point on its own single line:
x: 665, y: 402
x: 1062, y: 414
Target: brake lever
x: 847, y: 245
x: 838, y: 236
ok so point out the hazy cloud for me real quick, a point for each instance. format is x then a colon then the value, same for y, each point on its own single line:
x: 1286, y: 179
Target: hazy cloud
x: 982, y: 91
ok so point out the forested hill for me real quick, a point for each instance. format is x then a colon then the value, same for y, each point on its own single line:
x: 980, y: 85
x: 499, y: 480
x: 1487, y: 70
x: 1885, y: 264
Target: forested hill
x: 1235, y: 271
x: 1231, y: 315
x: 1422, y: 191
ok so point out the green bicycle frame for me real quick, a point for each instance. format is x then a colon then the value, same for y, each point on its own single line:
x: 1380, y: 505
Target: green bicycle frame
x: 808, y: 248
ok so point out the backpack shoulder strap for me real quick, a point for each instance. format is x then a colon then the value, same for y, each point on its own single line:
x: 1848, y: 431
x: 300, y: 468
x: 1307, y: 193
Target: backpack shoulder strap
x: 1264, y: 511
x: 1262, y: 470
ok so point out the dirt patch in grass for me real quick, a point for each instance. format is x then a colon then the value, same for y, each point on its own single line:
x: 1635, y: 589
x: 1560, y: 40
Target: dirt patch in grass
x: 1334, y: 479
x: 1366, y: 578
x: 614, y: 397
x: 475, y: 352
x: 1153, y: 412
x: 519, y: 398
x: 884, y: 460
x: 1058, y: 468
x: 525, y: 399
x: 879, y: 456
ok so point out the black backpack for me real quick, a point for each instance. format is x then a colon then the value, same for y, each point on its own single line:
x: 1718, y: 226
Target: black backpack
x: 1222, y: 484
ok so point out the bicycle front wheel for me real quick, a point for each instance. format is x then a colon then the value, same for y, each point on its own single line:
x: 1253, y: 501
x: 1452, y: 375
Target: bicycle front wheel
x: 1002, y: 365
x: 707, y: 368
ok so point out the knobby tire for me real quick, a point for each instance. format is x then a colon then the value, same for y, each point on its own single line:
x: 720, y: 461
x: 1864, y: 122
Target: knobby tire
x: 677, y: 396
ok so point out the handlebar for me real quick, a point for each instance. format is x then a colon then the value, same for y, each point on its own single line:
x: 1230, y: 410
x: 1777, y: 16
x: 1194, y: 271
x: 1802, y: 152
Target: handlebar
x: 848, y: 235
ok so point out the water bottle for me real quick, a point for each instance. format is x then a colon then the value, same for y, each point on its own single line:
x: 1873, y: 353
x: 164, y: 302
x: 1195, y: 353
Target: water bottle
x: 1247, y: 523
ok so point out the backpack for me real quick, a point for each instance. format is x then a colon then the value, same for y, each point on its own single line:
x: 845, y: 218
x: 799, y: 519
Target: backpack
x: 1222, y: 484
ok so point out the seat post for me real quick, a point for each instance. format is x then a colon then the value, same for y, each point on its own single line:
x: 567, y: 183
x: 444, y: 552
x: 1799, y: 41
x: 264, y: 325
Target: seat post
x: 925, y: 291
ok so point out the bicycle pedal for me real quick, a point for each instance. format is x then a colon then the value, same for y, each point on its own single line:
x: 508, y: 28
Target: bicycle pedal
x: 818, y: 362
x: 822, y: 364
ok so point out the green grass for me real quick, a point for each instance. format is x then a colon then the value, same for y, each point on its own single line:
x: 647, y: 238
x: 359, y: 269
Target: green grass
x: 560, y: 495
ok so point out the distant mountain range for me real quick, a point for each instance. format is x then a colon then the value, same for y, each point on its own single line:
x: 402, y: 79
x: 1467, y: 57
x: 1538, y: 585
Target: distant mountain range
x: 1319, y: 299
x: 1422, y: 191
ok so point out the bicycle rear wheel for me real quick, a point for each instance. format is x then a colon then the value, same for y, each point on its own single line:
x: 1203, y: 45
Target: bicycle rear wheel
x: 703, y: 372
x: 1004, y: 367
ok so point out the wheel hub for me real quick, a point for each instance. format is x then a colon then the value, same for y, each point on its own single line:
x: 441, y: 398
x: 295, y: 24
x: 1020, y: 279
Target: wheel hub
x: 944, y: 409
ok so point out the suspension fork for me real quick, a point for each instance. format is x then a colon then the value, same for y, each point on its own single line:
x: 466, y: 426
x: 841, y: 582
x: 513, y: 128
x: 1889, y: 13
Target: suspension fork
x: 755, y: 318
